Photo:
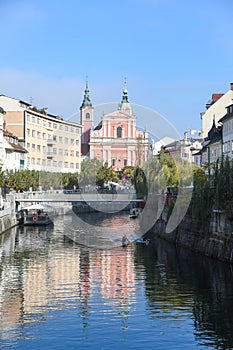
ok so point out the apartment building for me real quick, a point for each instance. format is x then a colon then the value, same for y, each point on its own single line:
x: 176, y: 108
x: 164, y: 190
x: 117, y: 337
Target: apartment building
x: 215, y: 109
x: 53, y: 144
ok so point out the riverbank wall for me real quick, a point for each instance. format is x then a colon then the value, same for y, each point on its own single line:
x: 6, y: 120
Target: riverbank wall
x: 7, y: 214
x: 215, y: 240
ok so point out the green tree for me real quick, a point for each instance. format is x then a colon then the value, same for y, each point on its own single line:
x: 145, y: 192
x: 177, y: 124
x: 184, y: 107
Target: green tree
x: 89, y: 170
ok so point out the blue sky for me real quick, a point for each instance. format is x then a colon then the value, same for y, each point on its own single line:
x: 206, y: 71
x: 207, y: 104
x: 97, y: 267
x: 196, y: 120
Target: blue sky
x: 174, y: 53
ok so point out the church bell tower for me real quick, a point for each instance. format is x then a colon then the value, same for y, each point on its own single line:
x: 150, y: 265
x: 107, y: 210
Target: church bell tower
x: 86, y: 119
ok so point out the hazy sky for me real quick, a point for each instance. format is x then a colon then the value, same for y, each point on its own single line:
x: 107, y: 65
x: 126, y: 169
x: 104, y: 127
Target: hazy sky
x: 174, y: 53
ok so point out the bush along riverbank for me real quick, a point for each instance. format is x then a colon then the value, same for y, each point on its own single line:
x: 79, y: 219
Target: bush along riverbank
x: 207, y: 227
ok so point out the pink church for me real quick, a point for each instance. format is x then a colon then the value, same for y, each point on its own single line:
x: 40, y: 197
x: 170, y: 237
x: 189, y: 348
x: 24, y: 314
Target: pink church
x: 115, y: 139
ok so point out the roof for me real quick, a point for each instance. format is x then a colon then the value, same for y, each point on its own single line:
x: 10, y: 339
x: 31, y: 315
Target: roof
x: 226, y: 117
x: 99, y: 126
x: 216, y: 97
x: 17, y: 147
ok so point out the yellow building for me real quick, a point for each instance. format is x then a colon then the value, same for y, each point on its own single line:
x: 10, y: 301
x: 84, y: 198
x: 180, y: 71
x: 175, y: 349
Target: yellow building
x: 53, y: 144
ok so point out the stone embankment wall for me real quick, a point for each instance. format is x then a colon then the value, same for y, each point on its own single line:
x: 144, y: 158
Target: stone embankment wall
x: 215, y: 241
x: 7, y: 214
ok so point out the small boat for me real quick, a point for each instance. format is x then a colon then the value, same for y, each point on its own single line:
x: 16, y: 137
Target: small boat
x: 124, y: 241
x: 34, y: 215
x: 134, y: 213
x: 142, y: 240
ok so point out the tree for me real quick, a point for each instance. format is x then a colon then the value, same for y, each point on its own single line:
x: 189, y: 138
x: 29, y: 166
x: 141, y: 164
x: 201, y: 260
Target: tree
x: 89, y: 169
x: 140, y: 183
x: 105, y: 174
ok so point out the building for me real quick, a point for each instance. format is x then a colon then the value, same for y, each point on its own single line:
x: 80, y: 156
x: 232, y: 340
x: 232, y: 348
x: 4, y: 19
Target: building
x: 211, y: 147
x: 215, y: 109
x: 53, y: 144
x: 115, y: 140
x: 184, y: 149
x: 15, y: 155
x: 2, y: 114
x: 227, y: 132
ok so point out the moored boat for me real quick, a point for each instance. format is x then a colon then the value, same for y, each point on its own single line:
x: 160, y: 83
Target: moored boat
x: 34, y: 215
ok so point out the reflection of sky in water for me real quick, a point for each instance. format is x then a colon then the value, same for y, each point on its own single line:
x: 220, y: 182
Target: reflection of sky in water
x: 57, y: 294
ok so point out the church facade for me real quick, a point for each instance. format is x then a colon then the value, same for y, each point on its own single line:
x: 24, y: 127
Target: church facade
x: 115, y: 140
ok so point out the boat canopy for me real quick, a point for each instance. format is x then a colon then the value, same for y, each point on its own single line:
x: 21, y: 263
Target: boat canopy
x: 38, y: 207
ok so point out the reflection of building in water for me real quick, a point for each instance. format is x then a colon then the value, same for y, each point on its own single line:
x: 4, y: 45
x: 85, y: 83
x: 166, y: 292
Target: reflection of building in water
x: 115, y: 269
x: 50, y: 277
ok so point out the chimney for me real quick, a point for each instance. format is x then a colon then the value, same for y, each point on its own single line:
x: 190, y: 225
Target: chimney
x: 231, y: 85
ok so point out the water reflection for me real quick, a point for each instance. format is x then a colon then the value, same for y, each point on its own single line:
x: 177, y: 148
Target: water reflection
x: 186, y: 298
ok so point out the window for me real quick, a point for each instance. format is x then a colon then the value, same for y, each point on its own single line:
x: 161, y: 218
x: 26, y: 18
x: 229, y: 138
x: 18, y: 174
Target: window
x: 113, y: 162
x: 72, y: 153
x: 49, y: 162
x: 44, y: 136
x: 119, y: 162
x: 66, y: 140
x: 43, y: 162
x: 38, y: 134
x: 33, y: 119
x: 60, y: 152
x: 28, y: 132
x: 66, y: 164
x: 72, y: 141
x: 44, y: 149
x: 38, y: 148
x: 33, y: 160
x: 54, y: 125
x: 77, y: 142
x: 54, y: 151
x: 60, y: 127
x: 54, y: 163
x: 28, y: 145
x: 38, y: 120
x: 77, y: 165
x: 38, y: 161
x: 66, y: 152
x: 72, y: 129
x: 119, y: 132
x: 60, y: 139
x: 28, y: 118
x: 60, y: 164
x: 88, y: 116
x: 77, y: 153
x: 66, y: 128
x: 33, y: 147
x: 125, y: 162
x: 33, y: 133
x: 72, y: 165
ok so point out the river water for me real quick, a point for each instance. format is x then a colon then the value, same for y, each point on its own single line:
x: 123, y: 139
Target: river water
x: 74, y: 286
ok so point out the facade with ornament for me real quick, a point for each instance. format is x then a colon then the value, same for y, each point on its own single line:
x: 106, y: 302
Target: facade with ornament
x: 116, y: 139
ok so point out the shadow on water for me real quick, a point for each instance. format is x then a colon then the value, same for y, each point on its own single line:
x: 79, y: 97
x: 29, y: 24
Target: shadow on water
x: 177, y: 277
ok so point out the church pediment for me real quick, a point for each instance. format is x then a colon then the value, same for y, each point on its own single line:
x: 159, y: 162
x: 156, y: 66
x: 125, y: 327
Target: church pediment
x: 119, y: 114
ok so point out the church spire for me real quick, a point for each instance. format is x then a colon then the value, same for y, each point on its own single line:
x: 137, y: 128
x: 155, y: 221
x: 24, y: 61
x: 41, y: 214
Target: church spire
x: 125, y: 98
x: 86, y: 99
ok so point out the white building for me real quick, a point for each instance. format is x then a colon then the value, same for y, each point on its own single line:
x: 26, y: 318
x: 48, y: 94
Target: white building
x: 215, y: 110
x: 227, y: 132
x: 53, y: 144
x: 184, y: 149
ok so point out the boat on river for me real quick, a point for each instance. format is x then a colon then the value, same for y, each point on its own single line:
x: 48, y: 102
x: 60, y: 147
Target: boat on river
x: 34, y: 215
x: 134, y: 213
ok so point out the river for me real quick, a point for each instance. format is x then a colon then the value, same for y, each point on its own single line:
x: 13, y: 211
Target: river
x: 74, y: 286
